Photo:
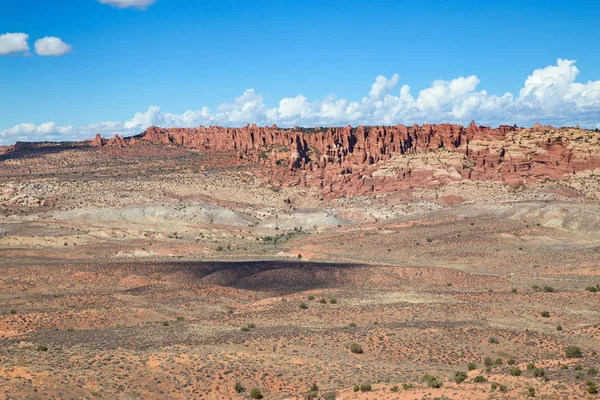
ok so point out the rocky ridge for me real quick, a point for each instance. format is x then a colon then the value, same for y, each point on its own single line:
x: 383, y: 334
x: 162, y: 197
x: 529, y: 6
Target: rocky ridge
x: 347, y: 161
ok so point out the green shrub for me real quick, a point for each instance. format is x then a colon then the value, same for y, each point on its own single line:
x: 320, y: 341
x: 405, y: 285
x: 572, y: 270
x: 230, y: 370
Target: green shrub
x: 41, y: 347
x: 356, y: 349
x: 591, y: 289
x: 352, y: 325
x: 510, y: 361
x: 515, y: 371
x: 299, y: 256
x: 432, y: 381
x: 579, y: 375
x: 498, y: 361
x: 530, y: 392
x: 314, y: 387
x: 311, y: 298
x: 493, y: 340
x: 503, y: 388
x: 592, y: 371
x: 459, y: 377
x: 238, y: 387
x: 333, y: 300
x: 548, y: 289
x: 303, y: 306
x: 329, y: 396
x: 488, y: 362
x: 564, y: 366
x: 471, y: 366
x: 591, y: 387
x: 479, y: 379
x: 356, y: 388
x: 407, y: 386
x: 365, y: 387
x: 573, y: 352
x: 244, y: 329
x: 323, y: 301
x: 578, y: 367
x: 255, y: 393
x: 539, y: 372
x: 394, y: 389
x: 559, y: 327
x: 545, y: 314
x: 531, y: 366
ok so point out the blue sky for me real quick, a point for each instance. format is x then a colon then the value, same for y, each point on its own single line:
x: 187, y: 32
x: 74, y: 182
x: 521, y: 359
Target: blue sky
x: 308, y: 62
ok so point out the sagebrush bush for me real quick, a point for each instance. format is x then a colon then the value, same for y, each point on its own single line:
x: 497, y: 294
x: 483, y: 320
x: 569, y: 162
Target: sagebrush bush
x: 356, y: 348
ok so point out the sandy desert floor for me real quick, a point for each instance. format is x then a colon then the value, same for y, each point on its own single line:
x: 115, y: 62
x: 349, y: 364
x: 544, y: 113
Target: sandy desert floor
x: 167, y: 274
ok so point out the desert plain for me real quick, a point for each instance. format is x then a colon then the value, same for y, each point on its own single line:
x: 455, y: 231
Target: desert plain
x: 162, y: 270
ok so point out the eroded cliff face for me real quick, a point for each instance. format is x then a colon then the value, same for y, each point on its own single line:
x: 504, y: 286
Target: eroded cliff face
x: 355, y: 161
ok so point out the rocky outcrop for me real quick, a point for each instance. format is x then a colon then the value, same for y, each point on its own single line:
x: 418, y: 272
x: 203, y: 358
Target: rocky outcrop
x: 351, y: 161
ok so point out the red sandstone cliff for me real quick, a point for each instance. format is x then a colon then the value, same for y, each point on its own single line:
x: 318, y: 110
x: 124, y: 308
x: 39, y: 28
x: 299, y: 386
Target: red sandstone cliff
x: 350, y: 161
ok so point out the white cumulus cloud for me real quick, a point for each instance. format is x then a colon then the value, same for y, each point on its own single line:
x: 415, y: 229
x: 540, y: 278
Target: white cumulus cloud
x: 142, y: 4
x: 51, y: 46
x: 13, y: 43
x: 550, y: 95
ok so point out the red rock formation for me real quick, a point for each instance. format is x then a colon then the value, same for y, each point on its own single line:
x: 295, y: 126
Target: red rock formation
x: 345, y: 160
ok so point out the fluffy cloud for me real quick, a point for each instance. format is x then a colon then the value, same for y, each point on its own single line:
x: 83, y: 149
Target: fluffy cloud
x: 549, y: 95
x: 142, y: 4
x: 13, y: 43
x: 51, y: 46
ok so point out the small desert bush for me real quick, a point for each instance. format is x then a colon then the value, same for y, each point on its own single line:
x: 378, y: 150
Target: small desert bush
x: 394, y: 389
x: 323, y: 301
x: 459, y: 377
x: 530, y: 392
x: 432, y: 381
x: 510, y: 361
x: 407, y: 386
x: 488, y: 362
x: 479, y: 379
x: 303, y: 306
x: 238, y: 387
x: 545, y: 314
x: 41, y: 347
x: 471, y: 366
x: 333, y: 300
x: 573, y: 352
x: 493, y: 340
x: 365, y: 387
x: 356, y: 349
x: 311, y: 298
x: 255, y: 393
x: 515, y: 371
